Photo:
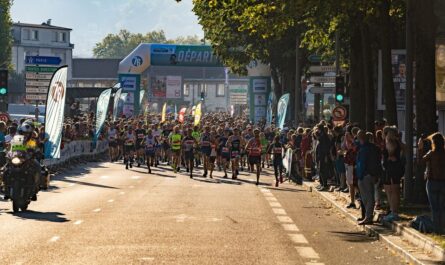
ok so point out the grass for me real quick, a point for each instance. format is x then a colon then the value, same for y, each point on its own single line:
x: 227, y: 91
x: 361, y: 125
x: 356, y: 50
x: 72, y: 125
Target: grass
x: 440, y: 239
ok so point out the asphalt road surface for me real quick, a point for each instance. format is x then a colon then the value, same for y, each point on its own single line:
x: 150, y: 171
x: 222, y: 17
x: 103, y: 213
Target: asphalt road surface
x: 100, y: 213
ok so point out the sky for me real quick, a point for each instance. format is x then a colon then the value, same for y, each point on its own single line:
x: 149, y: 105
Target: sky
x: 92, y: 20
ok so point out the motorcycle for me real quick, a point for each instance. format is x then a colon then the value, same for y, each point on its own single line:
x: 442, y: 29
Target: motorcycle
x: 21, y: 175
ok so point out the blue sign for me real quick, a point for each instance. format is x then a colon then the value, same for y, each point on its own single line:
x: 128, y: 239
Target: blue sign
x: 48, y: 60
x: 137, y: 61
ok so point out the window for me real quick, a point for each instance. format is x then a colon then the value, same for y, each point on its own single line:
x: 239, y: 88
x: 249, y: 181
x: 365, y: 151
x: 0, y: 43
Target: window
x: 220, y: 90
x: 62, y: 37
x: 34, y: 35
x: 186, y: 90
x: 26, y: 34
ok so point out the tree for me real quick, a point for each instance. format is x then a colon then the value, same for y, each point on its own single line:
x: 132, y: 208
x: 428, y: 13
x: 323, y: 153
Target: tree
x: 5, y: 34
x: 121, y: 44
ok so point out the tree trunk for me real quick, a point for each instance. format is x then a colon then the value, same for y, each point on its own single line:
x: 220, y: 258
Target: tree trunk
x: 425, y: 85
x: 367, y: 78
x: 387, y: 75
x: 357, y: 109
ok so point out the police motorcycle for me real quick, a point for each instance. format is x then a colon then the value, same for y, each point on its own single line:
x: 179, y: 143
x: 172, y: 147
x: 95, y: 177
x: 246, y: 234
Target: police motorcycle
x: 22, y: 173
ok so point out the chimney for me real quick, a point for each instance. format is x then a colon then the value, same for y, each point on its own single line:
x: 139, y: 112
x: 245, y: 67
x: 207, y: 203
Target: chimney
x: 48, y: 22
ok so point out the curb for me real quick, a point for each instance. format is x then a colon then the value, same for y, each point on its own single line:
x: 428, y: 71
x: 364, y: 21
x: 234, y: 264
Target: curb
x: 382, y: 233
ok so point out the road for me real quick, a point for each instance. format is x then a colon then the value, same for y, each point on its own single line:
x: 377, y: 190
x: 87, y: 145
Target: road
x: 100, y: 213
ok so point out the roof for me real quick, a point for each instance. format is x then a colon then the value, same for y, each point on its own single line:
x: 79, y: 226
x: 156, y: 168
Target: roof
x: 95, y: 68
x: 43, y: 26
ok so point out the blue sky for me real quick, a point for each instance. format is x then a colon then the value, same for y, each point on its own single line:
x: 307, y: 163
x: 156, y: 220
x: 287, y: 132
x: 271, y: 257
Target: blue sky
x: 91, y: 20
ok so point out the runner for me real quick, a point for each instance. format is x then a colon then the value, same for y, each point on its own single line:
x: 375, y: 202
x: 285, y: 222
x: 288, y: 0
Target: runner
x: 157, y: 134
x: 253, y: 149
x: 234, y: 144
x: 276, y: 148
x: 129, y: 141
x: 224, y: 151
x: 197, y: 135
x: 206, y: 149
x: 112, y: 142
x: 175, y: 139
x: 189, y: 144
x: 140, y: 135
x: 150, y: 145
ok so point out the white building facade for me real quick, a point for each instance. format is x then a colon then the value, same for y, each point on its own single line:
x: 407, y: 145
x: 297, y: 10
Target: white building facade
x: 40, y: 40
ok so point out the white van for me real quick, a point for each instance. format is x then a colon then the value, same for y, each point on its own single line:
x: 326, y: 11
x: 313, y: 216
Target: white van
x: 20, y: 111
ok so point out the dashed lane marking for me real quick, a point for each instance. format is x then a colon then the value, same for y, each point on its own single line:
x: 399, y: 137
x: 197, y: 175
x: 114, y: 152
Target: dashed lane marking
x: 272, y: 199
x: 78, y: 222
x: 266, y: 194
x: 279, y: 211
x: 284, y: 219
x: 104, y: 177
x: 298, y: 239
x: 54, y: 239
x: 147, y: 259
x: 122, y: 193
x: 314, y: 263
x: 97, y: 210
x: 290, y: 227
x: 135, y: 177
x: 307, y: 252
x: 110, y: 201
x: 275, y: 204
x: 71, y: 185
x: 131, y: 187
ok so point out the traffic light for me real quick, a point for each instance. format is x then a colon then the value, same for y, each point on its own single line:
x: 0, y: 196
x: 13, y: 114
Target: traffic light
x: 202, y: 95
x: 3, y: 82
x: 339, y: 89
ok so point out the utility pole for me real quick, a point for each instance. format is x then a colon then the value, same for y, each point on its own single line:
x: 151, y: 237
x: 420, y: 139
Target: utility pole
x: 409, y: 104
x: 298, y: 91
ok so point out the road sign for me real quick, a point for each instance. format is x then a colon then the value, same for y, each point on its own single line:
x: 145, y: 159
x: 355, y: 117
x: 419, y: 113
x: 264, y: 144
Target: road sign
x: 40, y: 97
x: 31, y: 83
x: 32, y: 75
x: 313, y: 58
x: 37, y: 90
x: 48, y: 60
x: 4, y: 117
x: 321, y: 90
x: 40, y: 69
x: 322, y: 79
x: 322, y: 68
x: 339, y: 113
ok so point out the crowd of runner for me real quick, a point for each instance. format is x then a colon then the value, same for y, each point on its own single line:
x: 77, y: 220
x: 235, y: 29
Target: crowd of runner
x: 354, y: 161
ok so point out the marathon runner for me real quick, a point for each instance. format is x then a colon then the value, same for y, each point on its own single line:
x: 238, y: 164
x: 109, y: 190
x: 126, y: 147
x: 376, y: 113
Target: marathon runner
x: 189, y: 143
x: 276, y: 148
x: 234, y: 144
x: 253, y: 149
x: 150, y: 143
x: 140, y: 135
x: 112, y: 142
x: 175, y: 140
x: 206, y: 148
x: 129, y: 148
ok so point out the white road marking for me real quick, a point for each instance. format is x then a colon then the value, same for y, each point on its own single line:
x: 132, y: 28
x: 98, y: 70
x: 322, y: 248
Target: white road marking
x: 122, y: 193
x: 298, y: 239
x: 279, y: 211
x: 271, y: 199
x: 72, y: 184
x: 314, y: 263
x: 214, y: 219
x: 131, y: 187
x: 268, y: 194
x: 307, y: 252
x: 54, y: 238
x: 265, y: 190
x: 147, y: 259
x: 104, y: 177
x: 110, y: 201
x: 78, y: 222
x: 290, y: 227
x: 97, y: 210
x: 284, y: 219
x: 275, y: 204
x: 135, y: 177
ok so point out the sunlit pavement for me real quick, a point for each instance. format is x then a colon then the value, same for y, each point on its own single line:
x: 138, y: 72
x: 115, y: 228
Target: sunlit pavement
x: 100, y: 213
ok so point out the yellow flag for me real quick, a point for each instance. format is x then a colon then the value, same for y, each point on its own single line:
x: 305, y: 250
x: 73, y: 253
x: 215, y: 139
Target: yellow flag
x: 164, y: 112
x: 198, y: 114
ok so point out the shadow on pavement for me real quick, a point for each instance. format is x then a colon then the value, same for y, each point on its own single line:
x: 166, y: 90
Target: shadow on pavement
x: 284, y: 189
x: 211, y: 181
x: 89, y: 184
x: 55, y: 217
x: 354, y: 237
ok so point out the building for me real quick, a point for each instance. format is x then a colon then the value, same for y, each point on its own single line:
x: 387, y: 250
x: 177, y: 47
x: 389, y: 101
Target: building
x: 40, y: 40
x: 37, y: 40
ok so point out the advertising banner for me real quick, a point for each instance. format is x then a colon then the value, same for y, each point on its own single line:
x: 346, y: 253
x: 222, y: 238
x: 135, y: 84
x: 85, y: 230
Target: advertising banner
x: 169, y: 87
x: 440, y: 72
x: 270, y: 101
x: 117, y: 97
x: 198, y: 114
x: 259, y: 90
x: 182, y: 114
x: 130, y: 84
x: 164, y: 112
x: 183, y: 55
x: 101, y: 113
x: 55, y: 107
x: 282, y: 110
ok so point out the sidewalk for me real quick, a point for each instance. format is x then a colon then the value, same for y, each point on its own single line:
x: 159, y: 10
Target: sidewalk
x: 415, y: 247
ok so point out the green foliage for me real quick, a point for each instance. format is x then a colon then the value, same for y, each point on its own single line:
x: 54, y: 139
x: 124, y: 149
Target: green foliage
x: 121, y: 44
x: 5, y: 34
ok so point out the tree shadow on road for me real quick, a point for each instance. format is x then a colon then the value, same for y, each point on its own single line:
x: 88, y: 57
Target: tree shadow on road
x: 353, y: 237
x: 55, y: 217
x: 284, y: 189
